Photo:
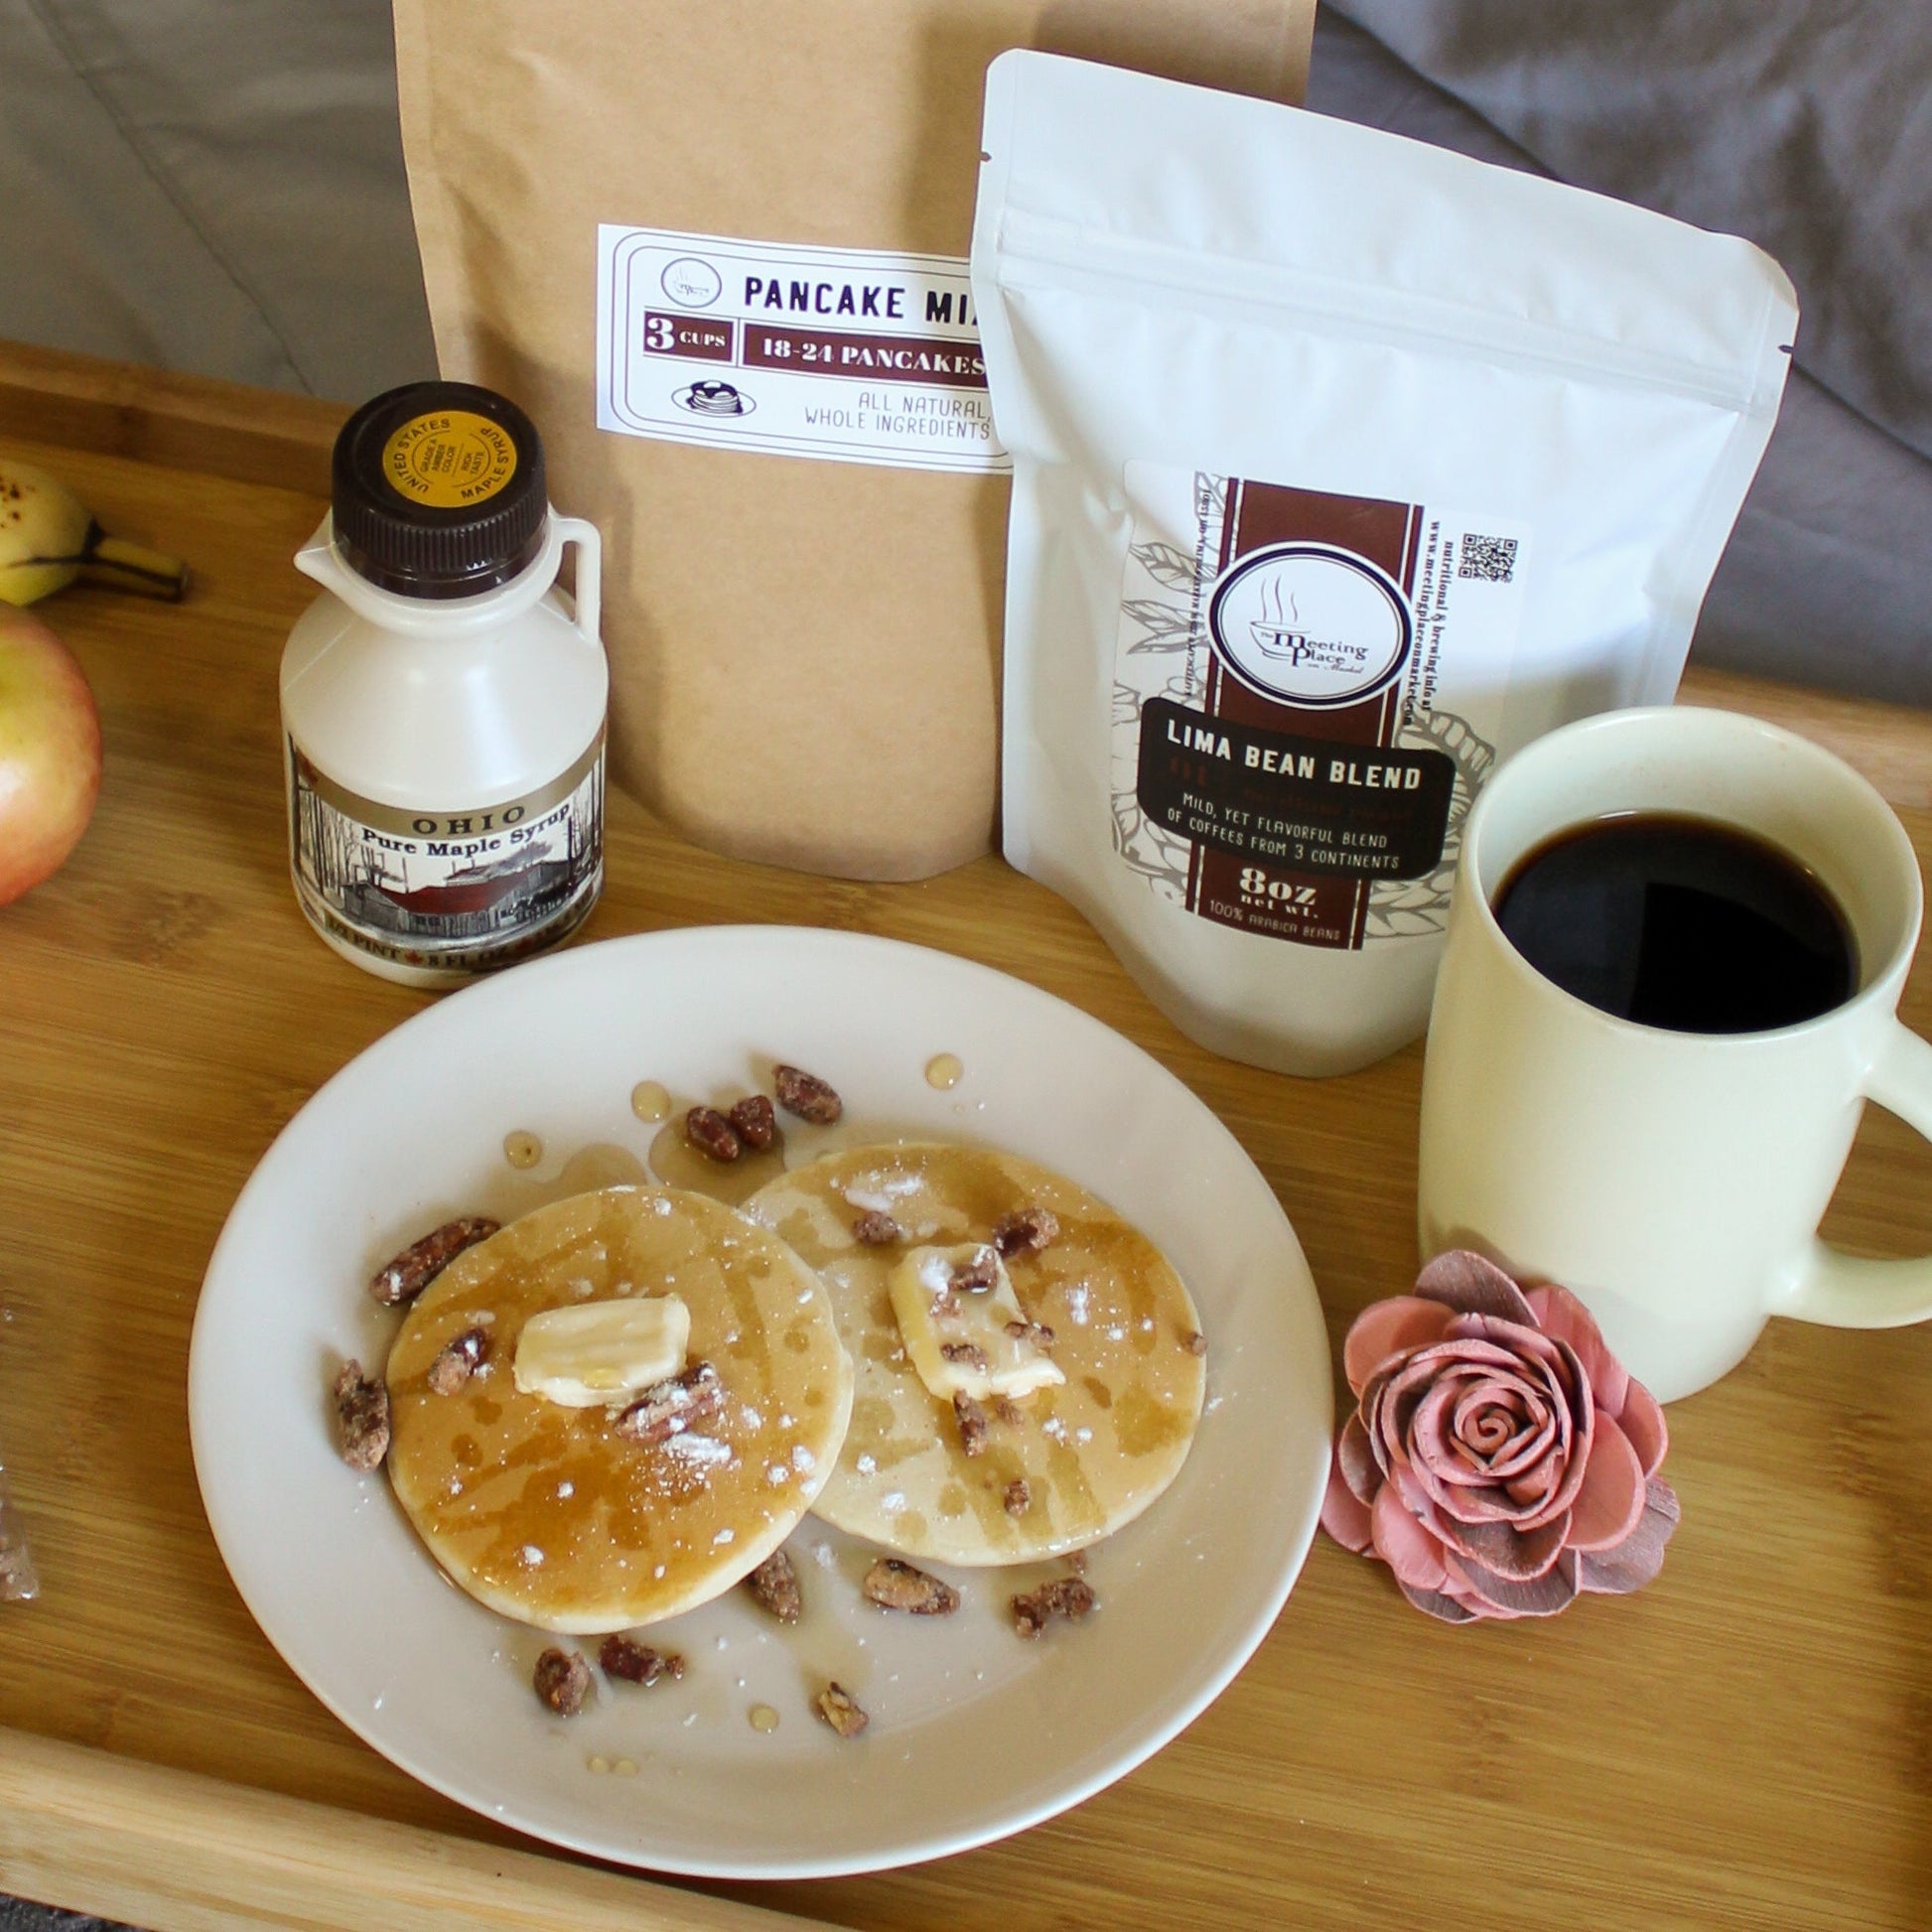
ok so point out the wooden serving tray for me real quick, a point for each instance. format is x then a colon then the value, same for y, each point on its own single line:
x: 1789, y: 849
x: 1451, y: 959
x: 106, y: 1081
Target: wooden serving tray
x: 1742, y: 1745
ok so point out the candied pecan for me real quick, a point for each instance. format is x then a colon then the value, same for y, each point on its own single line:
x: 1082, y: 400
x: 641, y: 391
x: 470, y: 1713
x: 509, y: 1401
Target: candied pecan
x: 979, y: 1274
x: 753, y: 1121
x: 874, y: 1229
x: 1194, y: 1343
x: 563, y: 1682
x: 412, y: 1271
x: 455, y: 1361
x: 1036, y: 1333
x: 1019, y: 1497
x: 1076, y: 1562
x: 670, y: 1407
x: 1026, y: 1232
x: 1065, y: 1596
x: 945, y: 1302
x: 840, y: 1710
x: 363, y: 1415
x: 896, y: 1585
x: 968, y: 1354
x: 637, y: 1663
x: 970, y: 1419
x: 1008, y: 1410
x: 711, y: 1133
x: 774, y: 1583
x: 806, y: 1095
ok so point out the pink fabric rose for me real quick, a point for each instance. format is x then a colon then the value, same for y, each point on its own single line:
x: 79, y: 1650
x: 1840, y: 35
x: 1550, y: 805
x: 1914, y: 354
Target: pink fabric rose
x: 1500, y: 1460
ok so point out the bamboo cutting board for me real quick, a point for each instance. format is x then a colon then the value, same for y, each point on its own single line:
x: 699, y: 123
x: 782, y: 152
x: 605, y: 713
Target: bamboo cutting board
x: 1743, y: 1745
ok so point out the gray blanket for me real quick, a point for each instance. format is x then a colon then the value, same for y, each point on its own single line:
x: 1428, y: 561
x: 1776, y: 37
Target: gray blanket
x: 1755, y: 118
x: 1803, y: 124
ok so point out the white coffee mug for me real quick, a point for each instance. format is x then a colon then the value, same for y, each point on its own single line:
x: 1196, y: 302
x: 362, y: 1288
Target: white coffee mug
x: 1673, y: 1181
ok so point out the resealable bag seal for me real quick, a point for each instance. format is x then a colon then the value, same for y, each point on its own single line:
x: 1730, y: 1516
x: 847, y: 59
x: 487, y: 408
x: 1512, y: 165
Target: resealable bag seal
x: 1343, y: 466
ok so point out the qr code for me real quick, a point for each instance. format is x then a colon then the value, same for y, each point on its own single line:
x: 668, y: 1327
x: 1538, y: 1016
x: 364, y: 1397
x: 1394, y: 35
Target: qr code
x: 1493, y: 559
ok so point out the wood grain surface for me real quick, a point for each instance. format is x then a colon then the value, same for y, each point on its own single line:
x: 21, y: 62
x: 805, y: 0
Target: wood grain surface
x: 1748, y: 1742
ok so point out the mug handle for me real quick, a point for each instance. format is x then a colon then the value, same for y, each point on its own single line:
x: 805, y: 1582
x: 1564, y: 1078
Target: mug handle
x: 1841, y: 1290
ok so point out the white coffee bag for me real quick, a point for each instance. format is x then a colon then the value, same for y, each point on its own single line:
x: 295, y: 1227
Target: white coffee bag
x: 1342, y: 468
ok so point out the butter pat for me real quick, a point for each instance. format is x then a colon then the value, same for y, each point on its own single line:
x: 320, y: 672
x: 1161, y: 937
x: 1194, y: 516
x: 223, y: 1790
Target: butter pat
x: 957, y: 1338
x: 592, y: 1352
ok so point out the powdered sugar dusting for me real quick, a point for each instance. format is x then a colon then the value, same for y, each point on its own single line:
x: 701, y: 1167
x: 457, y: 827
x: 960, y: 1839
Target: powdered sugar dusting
x: 703, y: 1452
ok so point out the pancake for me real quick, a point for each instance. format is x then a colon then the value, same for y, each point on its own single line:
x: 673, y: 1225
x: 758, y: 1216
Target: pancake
x: 546, y: 1513
x: 1093, y: 1451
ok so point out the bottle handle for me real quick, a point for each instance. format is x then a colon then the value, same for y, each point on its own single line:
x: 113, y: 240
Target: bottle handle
x: 589, y: 598
x: 1844, y: 1290
x: 318, y: 559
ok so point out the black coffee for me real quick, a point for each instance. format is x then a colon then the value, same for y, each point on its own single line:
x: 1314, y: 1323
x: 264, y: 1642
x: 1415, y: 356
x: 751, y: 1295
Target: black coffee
x: 1681, y: 924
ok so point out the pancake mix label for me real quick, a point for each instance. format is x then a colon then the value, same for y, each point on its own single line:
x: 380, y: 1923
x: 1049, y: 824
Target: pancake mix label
x: 1308, y: 689
x: 848, y: 353
x: 448, y: 888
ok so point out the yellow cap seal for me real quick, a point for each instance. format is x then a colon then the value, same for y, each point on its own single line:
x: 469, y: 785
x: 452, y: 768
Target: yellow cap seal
x: 448, y: 458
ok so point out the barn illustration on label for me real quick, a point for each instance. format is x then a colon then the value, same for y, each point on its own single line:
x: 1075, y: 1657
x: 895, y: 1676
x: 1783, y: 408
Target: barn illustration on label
x: 412, y: 886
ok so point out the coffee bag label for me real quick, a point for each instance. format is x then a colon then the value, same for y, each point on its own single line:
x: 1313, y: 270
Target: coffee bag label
x: 471, y: 886
x: 849, y: 353
x: 1308, y: 688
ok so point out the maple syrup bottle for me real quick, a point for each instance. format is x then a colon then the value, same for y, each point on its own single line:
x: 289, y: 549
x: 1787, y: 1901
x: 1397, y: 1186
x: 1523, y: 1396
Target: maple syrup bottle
x: 443, y: 700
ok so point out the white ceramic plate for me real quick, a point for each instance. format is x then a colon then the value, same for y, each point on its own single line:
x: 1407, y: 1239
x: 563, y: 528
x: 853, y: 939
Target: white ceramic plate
x: 974, y: 1732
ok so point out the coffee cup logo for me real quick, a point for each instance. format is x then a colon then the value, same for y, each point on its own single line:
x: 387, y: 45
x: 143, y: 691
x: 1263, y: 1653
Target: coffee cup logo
x: 1310, y: 624
x: 691, y: 283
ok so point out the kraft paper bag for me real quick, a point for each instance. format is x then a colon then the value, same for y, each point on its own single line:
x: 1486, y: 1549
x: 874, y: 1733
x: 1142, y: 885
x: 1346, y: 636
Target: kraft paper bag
x: 719, y: 255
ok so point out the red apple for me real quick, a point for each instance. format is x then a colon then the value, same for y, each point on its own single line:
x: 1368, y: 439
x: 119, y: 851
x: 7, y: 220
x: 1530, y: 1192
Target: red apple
x: 50, y: 753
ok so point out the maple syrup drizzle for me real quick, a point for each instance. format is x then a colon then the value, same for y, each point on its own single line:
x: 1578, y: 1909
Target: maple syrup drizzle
x: 650, y: 1101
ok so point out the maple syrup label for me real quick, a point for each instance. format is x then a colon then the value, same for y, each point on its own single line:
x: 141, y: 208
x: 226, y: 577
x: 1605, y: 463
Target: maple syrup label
x: 1308, y: 688
x: 463, y: 888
